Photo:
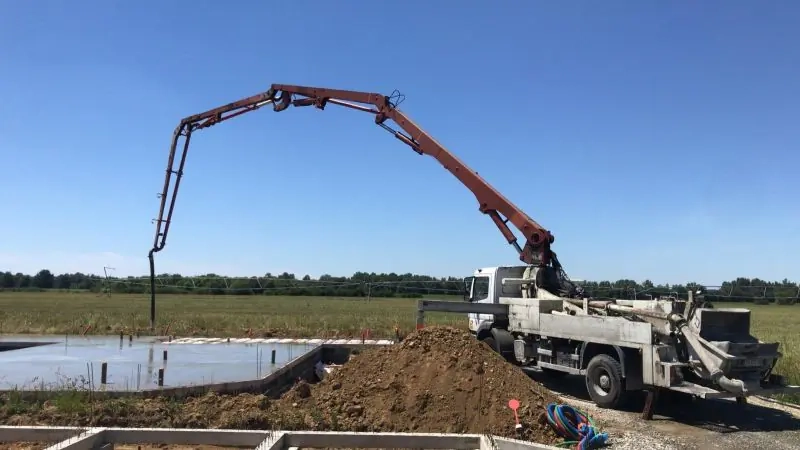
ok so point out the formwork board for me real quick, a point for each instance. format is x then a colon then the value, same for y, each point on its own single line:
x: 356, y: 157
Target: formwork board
x: 266, y: 440
x: 36, y: 438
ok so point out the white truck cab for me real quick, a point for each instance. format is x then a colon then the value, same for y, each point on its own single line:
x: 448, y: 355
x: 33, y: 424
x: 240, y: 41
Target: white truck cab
x: 486, y: 286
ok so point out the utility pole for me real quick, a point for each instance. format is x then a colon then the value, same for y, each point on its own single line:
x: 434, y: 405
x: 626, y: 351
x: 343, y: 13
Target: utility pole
x: 107, y: 281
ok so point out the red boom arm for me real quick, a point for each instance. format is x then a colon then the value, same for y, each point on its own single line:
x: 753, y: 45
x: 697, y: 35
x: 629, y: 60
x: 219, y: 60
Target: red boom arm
x: 537, y: 239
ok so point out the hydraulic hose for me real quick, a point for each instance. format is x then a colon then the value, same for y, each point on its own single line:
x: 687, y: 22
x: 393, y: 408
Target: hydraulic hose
x: 733, y: 386
x: 576, y: 427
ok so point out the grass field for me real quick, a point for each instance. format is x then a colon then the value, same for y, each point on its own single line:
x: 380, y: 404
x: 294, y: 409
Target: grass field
x: 205, y: 315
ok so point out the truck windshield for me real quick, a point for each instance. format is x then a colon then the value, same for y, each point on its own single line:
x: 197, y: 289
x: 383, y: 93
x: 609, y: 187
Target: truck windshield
x: 480, y: 289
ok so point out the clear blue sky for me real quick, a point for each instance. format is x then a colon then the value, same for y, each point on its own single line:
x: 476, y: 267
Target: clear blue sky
x: 657, y: 140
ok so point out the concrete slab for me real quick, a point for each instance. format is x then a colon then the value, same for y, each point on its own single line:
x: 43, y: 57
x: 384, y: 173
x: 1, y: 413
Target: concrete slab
x: 298, y: 341
x: 132, y: 365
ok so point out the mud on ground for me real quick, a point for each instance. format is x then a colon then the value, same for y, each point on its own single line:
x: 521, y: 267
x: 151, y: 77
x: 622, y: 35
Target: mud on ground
x: 25, y: 445
x: 436, y: 380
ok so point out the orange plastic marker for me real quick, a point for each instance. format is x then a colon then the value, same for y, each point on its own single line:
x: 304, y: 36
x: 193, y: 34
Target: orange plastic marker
x: 514, y: 405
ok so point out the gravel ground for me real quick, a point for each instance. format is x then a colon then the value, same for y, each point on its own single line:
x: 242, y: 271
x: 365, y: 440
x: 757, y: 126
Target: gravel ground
x: 682, y: 423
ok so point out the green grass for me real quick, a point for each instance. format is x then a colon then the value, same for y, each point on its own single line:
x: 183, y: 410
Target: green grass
x: 205, y: 315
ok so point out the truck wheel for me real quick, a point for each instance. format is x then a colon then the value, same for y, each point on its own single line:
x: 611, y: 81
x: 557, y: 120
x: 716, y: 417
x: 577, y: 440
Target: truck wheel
x: 604, y: 381
x: 503, y: 343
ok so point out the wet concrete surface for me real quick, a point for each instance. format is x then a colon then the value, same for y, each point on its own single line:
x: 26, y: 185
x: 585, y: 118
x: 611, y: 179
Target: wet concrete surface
x: 681, y: 422
x: 75, y: 361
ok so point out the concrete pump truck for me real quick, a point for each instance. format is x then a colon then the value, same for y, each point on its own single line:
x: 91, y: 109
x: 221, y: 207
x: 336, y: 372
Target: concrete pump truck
x: 533, y: 314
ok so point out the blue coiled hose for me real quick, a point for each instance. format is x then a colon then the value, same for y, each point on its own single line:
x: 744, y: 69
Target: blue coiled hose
x: 575, y: 426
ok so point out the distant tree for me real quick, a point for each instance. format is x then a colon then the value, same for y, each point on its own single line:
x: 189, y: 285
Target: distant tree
x: 43, y: 280
x: 7, y: 281
x: 362, y: 284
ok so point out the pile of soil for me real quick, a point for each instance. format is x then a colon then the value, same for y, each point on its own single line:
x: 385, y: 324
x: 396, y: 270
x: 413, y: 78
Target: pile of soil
x: 437, y: 380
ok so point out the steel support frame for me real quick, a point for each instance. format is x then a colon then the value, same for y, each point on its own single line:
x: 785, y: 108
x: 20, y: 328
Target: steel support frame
x: 497, y: 309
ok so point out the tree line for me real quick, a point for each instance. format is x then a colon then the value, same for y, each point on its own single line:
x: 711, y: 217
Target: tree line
x: 363, y: 284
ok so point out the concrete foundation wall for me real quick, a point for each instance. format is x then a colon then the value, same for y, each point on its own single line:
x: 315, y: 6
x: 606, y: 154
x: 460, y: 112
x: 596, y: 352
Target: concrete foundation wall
x: 18, y: 345
x: 90, y: 438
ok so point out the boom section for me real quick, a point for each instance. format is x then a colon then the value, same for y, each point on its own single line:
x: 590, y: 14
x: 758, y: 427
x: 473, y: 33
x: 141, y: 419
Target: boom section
x: 536, y: 249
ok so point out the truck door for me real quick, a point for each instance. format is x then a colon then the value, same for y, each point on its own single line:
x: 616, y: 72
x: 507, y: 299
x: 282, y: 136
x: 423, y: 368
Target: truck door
x: 480, y: 293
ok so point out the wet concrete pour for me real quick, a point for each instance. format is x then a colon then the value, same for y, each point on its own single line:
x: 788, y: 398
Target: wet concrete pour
x: 75, y: 361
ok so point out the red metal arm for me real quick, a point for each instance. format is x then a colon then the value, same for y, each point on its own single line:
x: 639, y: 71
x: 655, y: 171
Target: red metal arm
x: 536, y: 249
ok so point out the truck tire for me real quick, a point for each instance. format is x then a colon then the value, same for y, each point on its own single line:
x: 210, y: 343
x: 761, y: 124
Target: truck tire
x: 604, y: 381
x: 502, y: 342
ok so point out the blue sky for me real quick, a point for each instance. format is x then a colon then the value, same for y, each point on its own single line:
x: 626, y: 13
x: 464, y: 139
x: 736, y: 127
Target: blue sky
x: 657, y: 140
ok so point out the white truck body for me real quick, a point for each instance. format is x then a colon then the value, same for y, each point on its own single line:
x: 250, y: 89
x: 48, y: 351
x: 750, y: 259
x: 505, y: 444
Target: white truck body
x: 630, y: 345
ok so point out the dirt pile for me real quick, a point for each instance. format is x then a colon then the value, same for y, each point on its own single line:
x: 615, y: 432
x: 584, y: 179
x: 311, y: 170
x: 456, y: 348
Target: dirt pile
x: 436, y: 380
